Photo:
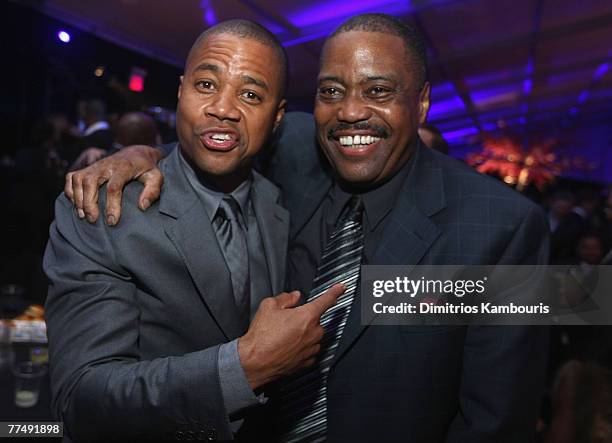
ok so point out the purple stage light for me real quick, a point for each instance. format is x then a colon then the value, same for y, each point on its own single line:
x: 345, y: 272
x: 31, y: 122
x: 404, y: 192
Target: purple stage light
x: 322, y: 12
x: 440, y: 108
x: 210, y: 17
x: 601, y: 71
x: 459, y: 133
x: 63, y: 36
x: 527, y: 85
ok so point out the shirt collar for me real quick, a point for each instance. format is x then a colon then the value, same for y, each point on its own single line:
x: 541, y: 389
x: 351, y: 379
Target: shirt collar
x: 377, y: 202
x: 211, y: 198
x: 97, y: 126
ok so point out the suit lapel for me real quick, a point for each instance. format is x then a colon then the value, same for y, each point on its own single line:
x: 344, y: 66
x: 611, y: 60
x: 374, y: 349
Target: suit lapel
x: 299, y: 168
x: 273, y: 223
x: 304, y: 197
x: 408, y: 235
x: 188, y: 227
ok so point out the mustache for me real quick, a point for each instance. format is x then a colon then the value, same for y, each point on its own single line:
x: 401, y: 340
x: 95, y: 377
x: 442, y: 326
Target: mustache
x: 380, y: 131
x: 203, y: 127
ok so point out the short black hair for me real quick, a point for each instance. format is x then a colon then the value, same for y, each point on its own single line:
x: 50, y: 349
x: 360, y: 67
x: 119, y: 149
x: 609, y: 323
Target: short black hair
x: 249, y: 29
x: 387, y: 24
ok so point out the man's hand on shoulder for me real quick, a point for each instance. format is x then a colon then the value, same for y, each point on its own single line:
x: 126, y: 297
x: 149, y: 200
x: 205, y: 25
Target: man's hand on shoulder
x: 137, y: 162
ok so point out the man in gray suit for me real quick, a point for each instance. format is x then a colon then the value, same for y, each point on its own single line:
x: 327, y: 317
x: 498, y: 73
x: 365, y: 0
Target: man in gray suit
x: 148, y: 323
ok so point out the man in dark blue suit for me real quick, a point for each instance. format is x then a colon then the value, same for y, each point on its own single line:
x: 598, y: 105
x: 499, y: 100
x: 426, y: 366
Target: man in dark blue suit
x: 414, y: 206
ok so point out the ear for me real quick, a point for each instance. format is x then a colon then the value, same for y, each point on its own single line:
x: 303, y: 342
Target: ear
x: 180, y: 88
x: 280, y: 113
x: 424, y: 103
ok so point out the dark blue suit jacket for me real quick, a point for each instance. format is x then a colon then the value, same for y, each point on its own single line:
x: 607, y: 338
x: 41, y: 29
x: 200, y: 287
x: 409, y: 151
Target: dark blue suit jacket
x: 429, y: 384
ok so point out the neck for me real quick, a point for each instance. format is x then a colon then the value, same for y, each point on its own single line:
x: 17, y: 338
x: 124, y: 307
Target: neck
x: 224, y: 183
x: 361, y: 188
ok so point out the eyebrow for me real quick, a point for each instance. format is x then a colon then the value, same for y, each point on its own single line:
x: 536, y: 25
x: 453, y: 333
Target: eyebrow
x: 372, y: 78
x: 248, y: 80
x: 330, y: 78
x: 369, y: 78
x: 207, y: 67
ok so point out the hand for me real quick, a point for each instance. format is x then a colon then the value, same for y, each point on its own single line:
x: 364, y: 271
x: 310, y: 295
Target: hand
x: 132, y: 163
x: 283, y: 338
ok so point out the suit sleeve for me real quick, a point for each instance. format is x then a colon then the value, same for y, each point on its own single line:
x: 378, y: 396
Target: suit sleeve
x: 504, y: 366
x: 101, y: 389
x: 167, y: 148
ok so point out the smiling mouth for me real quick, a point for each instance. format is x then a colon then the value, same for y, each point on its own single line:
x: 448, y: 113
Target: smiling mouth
x: 356, y: 146
x: 357, y: 141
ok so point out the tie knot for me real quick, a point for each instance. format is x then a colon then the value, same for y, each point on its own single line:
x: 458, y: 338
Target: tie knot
x: 228, y: 208
x: 352, y: 211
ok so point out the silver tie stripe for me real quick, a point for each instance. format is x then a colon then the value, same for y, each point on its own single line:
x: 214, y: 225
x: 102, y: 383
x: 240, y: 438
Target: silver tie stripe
x: 304, y: 396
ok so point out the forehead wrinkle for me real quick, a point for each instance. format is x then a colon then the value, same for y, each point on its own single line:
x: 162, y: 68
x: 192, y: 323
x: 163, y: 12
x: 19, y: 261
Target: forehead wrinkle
x: 210, y: 48
x: 207, y: 67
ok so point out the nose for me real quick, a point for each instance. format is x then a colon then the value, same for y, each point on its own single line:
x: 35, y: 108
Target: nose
x: 352, y: 109
x: 223, y: 106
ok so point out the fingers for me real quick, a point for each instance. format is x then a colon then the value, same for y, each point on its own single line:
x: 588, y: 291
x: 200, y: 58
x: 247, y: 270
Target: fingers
x: 77, y: 194
x: 153, y: 181
x: 288, y: 299
x: 114, y: 193
x: 326, y: 300
x: 90, y: 197
x: 68, y: 186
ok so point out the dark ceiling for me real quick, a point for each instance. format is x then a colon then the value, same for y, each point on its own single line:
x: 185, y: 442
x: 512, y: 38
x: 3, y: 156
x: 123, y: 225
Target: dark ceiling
x: 527, y: 65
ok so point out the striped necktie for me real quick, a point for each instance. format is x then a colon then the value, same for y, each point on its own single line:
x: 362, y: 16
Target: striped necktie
x: 304, y: 395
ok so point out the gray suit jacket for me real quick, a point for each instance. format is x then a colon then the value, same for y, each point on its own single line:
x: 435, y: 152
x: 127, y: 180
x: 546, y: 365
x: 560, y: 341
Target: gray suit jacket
x: 136, y: 313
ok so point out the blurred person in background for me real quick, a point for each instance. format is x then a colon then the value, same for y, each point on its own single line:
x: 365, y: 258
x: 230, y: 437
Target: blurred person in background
x: 588, y: 206
x: 133, y: 128
x: 590, y: 249
x: 96, y: 129
x: 565, y: 226
x: 581, y: 404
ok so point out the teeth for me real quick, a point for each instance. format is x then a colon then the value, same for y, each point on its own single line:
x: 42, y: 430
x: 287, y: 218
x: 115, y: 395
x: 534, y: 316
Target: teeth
x: 220, y: 136
x: 358, y: 140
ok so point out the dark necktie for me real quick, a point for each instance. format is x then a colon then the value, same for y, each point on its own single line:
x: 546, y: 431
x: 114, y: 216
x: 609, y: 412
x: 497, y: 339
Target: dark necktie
x: 232, y: 240
x: 304, y: 396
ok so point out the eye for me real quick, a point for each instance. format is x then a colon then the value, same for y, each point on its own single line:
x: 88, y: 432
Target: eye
x: 378, y: 91
x: 251, y: 96
x: 330, y: 92
x: 204, y: 85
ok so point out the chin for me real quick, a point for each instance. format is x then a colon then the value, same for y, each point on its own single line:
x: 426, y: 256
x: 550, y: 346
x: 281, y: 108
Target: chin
x: 356, y: 177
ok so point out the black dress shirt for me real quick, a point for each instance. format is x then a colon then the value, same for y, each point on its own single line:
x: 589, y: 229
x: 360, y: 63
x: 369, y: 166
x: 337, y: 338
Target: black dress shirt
x: 306, y: 249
